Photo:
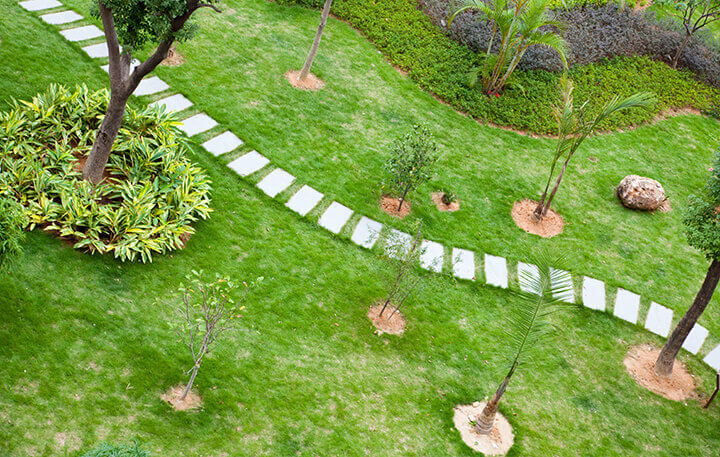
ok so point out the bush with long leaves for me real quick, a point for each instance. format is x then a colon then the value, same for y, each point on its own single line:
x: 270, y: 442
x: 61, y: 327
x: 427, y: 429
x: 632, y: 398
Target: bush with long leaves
x: 148, y: 199
x: 530, y: 324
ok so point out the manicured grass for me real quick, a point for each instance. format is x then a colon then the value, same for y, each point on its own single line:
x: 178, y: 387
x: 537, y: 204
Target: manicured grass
x: 87, y: 351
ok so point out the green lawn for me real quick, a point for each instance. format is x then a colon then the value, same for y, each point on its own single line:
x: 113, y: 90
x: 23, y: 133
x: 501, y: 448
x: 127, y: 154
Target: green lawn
x: 87, y: 351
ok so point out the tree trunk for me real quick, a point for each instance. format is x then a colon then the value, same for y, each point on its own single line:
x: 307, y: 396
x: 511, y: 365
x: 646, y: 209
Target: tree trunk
x: 484, y: 423
x: 95, y: 164
x: 666, y: 359
x: 680, y: 50
x: 188, y: 388
x: 316, y: 42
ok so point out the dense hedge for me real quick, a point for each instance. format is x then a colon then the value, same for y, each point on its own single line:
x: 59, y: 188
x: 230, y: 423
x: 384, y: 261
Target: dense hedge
x: 148, y: 199
x: 410, y: 40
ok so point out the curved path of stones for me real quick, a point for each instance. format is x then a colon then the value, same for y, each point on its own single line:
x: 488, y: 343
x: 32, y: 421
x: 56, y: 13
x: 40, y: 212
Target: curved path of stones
x: 363, y: 231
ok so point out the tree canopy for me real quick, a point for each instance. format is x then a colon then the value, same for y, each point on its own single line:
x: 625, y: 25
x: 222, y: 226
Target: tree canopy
x: 702, y: 217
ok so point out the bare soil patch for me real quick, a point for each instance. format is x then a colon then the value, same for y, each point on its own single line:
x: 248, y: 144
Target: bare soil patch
x: 498, y: 442
x: 312, y: 82
x: 173, y: 59
x: 640, y: 362
x: 389, y: 204
x: 172, y: 396
x: 437, y: 198
x: 394, y: 325
x: 548, y: 227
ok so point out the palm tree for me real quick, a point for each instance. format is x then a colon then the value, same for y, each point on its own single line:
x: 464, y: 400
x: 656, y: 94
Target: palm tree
x: 574, y: 126
x: 530, y: 324
x: 518, y: 26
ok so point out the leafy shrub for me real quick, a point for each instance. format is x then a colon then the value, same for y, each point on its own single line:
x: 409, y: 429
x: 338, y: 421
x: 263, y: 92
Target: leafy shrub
x: 151, y: 192
x: 12, y: 223
x: 409, y: 39
x: 117, y: 450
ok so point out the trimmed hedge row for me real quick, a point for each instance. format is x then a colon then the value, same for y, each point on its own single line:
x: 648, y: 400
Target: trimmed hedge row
x: 409, y: 40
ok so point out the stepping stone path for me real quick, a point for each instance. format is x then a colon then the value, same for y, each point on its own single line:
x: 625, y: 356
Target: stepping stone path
x: 64, y: 17
x: 562, y: 280
x: 659, y: 319
x: 366, y: 232
x: 249, y: 163
x: 335, y: 217
x: 153, y: 85
x: 304, y: 200
x: 96, y: 51
x: 593, y: 293
x: 398, y: 244
x: 223, y: 143
x: 627, y: 306
x: 463, y: 264
x: 197, y: 124
x: 695, y: 339
x: 496, y: 272
x: 713, y: 358
x: 38, y: 5
x: 528, y: 271
x: 275, y: 182
x: 82, y: 33
x: 432, y: 256
x: 174, y: 103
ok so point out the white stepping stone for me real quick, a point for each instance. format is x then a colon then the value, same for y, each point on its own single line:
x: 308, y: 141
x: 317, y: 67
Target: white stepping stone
x: 528, y: 271
x: 174, y: 103
x: 61, y: 18
x: 463, y: 263
x: 432, y: 256
x: 496, y: 272
x: 366, y: 233
x: 81, y: 33
x: 562, y: 280
x: 593, y: 293
x: 659, y: 319
x: 335, y: 217
x: 713, y: 358
x: 627, y: 306
x: 133, y: 64
x: 38, y: 5
x: 151, y: 85
x: 695, y: 339
x: 223, y: 143
x: 275, y: 182
x: 96, y: 51
x: 398, y: 244
x: 197, y: 124
x: 304, y: 200
x: 249, y: 163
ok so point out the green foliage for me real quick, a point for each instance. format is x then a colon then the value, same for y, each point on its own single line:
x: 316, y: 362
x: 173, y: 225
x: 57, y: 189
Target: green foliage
x: 408, y: 38
x: 411, y: 161
x: 142, y: 22
x: 117, y: 450
x: 702, y: 216
x: 12, y: 224
x: 146, y: 203
x: 448, y: 196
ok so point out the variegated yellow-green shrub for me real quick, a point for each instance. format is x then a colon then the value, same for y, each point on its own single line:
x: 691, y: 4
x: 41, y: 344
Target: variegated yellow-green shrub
x: 149, y: 198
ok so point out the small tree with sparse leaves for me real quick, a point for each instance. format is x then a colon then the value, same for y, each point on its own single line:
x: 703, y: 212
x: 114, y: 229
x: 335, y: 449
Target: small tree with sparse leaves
x: 411, y: 162
x: 693, y: 15
x: 402, y: 256
x: 206, y: 311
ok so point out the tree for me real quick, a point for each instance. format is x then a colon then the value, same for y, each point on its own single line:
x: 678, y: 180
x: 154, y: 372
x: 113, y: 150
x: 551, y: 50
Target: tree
x: 207, y: 311
x: 316, y: 42
x: 702, y: 228
x: 135, y: 24
x: 411, y: 161
x: 12, y: 224
x: 518, y: 24
x: 530, y: 325
x: 402, y: 259
x: 693, y: 14
x: 574, y: 126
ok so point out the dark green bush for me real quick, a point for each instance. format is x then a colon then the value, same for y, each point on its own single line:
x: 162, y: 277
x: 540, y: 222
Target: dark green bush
x: 12, y: 224
x: 117, y: 450
x: 146, y: 203
x: 410, y: 40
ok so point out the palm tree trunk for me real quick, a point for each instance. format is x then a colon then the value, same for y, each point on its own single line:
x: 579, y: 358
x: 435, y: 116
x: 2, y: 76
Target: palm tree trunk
x: 666, y: 359
x: 316, y: 42
x: 680, y: 50
x: 484, y: 423
x: 556, y: 187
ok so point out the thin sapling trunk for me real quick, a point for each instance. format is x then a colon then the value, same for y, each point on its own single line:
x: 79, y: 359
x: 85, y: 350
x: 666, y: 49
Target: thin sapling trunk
x: 316, y: 42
